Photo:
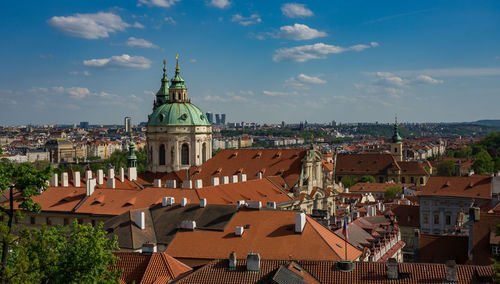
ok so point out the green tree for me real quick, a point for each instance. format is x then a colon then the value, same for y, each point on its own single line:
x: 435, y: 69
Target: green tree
x: 349, y: 181
x: 367, y: 178
x: 393, y: 191
x: 484, y: 163
x: 446, y: 168
x: 25, y: 181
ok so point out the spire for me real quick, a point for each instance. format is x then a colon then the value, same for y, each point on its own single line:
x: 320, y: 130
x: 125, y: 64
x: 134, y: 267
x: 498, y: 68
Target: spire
x: 132, y: 158
x: 177, y: 82
x: 162, y: 94
x: 395, y: 137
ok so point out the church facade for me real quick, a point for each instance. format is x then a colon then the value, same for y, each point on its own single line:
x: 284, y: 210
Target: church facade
x: 179, y: 135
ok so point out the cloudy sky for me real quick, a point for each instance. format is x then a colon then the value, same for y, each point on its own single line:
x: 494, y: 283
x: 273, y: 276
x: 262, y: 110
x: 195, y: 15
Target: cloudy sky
x: 264, y: 61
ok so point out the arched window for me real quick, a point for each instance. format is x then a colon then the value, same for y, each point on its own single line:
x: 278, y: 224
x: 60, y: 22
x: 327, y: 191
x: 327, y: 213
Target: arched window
x: 185, y: 154
x: 172, y: 159
x: 162, y: 155
x: 403, y: 180
x: 421, y: 180
x: 204, y: 153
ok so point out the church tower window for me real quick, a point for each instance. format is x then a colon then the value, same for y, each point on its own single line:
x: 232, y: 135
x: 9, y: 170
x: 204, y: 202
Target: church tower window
x: 185, y: 154
x: 162, y: 155
x: 204, y: 152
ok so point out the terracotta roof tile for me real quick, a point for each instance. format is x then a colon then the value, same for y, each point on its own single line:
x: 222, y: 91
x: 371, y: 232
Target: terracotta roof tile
x: 458, y: 187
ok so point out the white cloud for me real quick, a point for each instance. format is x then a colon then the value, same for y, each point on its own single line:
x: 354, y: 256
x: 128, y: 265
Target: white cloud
x: 170, y: 20
x: 78, y: 92
x: 158, y: 3
x: 85, y: 73
x: 299, y: 32
x: 313, y: 51
x: 245, y: 21
x: 295, y: 10
x: 138, y: 25
x: 221, y: 4
x: 303, y: 81
x: 455, y: 72
x: 120, y: 62
x: 139, y: 42
x: 193, y: 60
x: 310, y: 79
x: 275, y: 93
x: 107, y: 95
x: 427, y: 79
x: 89, y: 26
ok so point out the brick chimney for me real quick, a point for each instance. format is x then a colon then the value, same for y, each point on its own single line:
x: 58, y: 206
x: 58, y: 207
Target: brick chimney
x: 451, y: 271
x: 232, y: 261
x: 253, y: 262
x: 392, y: 269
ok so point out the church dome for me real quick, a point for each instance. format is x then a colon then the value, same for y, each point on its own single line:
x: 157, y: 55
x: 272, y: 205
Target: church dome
x: 178, y: 114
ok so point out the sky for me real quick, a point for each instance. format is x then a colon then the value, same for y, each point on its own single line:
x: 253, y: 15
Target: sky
x: 62, y: 62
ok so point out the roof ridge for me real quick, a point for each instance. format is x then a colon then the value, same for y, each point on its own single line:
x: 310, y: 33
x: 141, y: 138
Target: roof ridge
x: 321, y: 236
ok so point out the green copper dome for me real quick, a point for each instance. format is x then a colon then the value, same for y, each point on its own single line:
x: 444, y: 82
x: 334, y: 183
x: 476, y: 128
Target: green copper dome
x: 178, y: 114
x: 396, y: 138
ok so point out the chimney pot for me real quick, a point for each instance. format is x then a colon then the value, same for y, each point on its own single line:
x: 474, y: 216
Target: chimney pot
x: 253, y: 262
x: 88, y: 174
x: 259, y: 175
x: 167, y: 201
x: 90, y: 186
x: 122, y: 175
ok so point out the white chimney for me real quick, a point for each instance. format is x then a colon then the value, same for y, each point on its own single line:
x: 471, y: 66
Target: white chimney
x: 259, y: 175
x: 149, y: 248
x: 215, y: 181
x: 111, y: 173
x: 198, y: 183
x: 188, y: 225
x: 122, y: 175
x: 140, y: 219
x: 132, y: 173
x: 76, y: 179
x: 184, y: 202
x: 243, y: 177
x: 187, y: 184
x: 203, y: 202
x: 300, y: 222
x: 54, y: 181
x: 234, y: 178
x: 239, y: 231
x: 271, y: 205
x: 64, y: 179
x: 171, y: 183
x: 254, y: 204
x: 90, y: 186
x: 111, y: 182
x: 157, y: 182
x: 225, y: 180
x: 253, y: 262
x: 346, y: 190
x: 100, y: 177
x: 88, y: 174
x: 167, y: 201
x: 240, y: 203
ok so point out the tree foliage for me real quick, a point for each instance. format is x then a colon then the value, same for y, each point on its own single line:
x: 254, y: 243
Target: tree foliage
x: 393, y: 191
x: 486, y: 154
x: 446, y: 168
x: 349, y: 181
x: 80, y: 254
x: 367, y: 178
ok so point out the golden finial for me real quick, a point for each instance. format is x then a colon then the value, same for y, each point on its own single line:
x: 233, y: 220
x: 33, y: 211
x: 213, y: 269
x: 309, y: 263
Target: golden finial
x: 164, y: 65
x: 177, y: 57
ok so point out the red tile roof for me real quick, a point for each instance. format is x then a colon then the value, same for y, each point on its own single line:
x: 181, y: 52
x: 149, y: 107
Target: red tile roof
x: 364, y: 164
x: 475, y: 186
x: 148, y: 268
x: 483, y: 232
x: 375, y: 187
x: 414, y: 168
x: 270, y: 232
x: 326, y: 272
x: 440, y: 248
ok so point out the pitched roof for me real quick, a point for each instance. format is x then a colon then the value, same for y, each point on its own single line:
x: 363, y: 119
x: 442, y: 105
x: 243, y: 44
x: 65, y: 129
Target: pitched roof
x: 148, y: 268
x: 440, y: 248
x: 163, y: 223
x: 269, y: 232
x: 283, y: 162
x: 475, y: 186
x: 364, y: 164
x: 59, y: 199
x: 407, y: 215
x: 325, y: 271
x: 375, y: 187
x: 413, y: 168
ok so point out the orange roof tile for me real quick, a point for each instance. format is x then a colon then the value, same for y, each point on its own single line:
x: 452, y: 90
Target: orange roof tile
x: 475, y: 186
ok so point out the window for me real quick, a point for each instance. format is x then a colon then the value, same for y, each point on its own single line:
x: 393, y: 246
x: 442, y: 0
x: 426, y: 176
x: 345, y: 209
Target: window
x: 436, y: 203
x: 421, y: 180
x: 395, y: 150
x: 426, y: 202
x: 426, y: 218
x: 48, y: 221
x: 412, y: 180
x: 448, y: 220
x: 93, y: 223
x: 381, y: 179
x: 161, y: 155
x: 80, y: 221
x: 32, y: 220
x: 495, y: 250
x: 185, y: 154
x: 66, y: 221
x: 403, y: 180
x: 436, y: 219
x: 204, y: 153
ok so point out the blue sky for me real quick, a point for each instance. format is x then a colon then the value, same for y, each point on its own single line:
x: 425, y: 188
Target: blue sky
x: 260, y: 61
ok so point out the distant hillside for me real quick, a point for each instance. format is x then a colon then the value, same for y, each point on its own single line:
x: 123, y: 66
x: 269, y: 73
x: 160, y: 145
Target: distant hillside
x: 488, y: 122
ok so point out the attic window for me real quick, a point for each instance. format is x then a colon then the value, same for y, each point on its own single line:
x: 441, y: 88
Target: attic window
x: 218, y: 171
x: 278, y: 154
x: 234, y: 155
x: 447, y: 184
x: 184, y: 116
x: 239, y: 171
x: 470, y: 185
x: 258, y: 155
x: 130, y: 202
x: 296, y: 267
x: 247, y: 226
x: 295, y: 155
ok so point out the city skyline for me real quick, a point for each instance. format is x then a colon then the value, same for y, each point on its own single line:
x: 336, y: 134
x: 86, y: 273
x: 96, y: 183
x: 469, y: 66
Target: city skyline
x: 258, y: 62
